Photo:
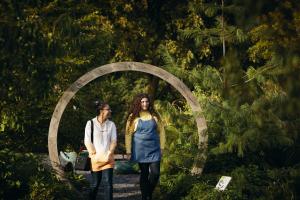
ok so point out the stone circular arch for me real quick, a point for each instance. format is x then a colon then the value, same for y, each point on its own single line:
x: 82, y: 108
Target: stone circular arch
x: 128, y: 66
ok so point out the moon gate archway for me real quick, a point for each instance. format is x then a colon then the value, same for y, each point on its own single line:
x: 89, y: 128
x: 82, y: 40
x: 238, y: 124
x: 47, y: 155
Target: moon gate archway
x: 129, y: 66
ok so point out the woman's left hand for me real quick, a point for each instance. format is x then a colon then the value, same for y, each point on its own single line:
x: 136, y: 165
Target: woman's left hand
x: 92, y: 154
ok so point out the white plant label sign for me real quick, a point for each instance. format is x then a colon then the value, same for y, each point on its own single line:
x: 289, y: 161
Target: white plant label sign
x: 223, y: 182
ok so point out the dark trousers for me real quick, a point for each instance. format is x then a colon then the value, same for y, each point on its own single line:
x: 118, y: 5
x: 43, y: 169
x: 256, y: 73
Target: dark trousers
x: 104, y: 176
x: 149, y: 177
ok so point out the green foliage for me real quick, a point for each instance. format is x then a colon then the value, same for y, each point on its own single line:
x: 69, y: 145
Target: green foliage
x: 180, y: 130
x: 253, y: 182
x: 176, y: 186
x: 23, y: 177
x: 248, y: 182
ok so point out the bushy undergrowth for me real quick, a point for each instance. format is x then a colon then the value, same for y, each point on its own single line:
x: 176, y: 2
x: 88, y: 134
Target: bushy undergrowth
x: 23, y: 177
x: 248, y: 182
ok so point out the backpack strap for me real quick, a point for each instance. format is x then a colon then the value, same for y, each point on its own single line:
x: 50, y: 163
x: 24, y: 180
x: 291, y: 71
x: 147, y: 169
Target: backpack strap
x: 92, y: 131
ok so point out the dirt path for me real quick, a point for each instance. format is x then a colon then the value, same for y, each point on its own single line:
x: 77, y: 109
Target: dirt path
x: 127, y: 187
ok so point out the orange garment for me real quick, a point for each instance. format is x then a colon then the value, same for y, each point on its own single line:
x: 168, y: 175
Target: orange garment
x: 99, y: 166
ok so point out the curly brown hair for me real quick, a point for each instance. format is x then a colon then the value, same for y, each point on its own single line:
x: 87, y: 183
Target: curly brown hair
x: 135, y: 108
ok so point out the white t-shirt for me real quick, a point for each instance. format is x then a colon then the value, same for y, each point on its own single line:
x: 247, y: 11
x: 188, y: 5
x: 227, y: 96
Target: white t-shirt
x: 103, y: 135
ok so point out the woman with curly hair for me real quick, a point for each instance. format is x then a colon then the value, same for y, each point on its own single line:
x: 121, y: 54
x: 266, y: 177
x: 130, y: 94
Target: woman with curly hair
x: 144, y: 141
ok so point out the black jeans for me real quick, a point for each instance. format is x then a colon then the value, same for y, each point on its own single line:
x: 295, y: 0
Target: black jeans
x: 106, y: 176
x: 149, y: 177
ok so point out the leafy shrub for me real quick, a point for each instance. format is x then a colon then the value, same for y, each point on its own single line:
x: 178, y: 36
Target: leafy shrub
x: 248, y: 182
x: 203, y: 191
x: 22, y: 177
x: 175, y: 187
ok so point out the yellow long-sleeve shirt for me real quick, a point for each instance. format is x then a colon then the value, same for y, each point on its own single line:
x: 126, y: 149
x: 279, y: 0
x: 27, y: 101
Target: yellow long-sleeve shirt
x: 131, y: 128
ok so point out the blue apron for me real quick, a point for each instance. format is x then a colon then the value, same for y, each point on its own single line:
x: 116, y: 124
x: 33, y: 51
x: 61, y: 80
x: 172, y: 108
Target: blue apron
x: 145, y: 142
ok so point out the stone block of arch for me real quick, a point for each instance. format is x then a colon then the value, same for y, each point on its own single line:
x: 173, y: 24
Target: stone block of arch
x: 128, y: 66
